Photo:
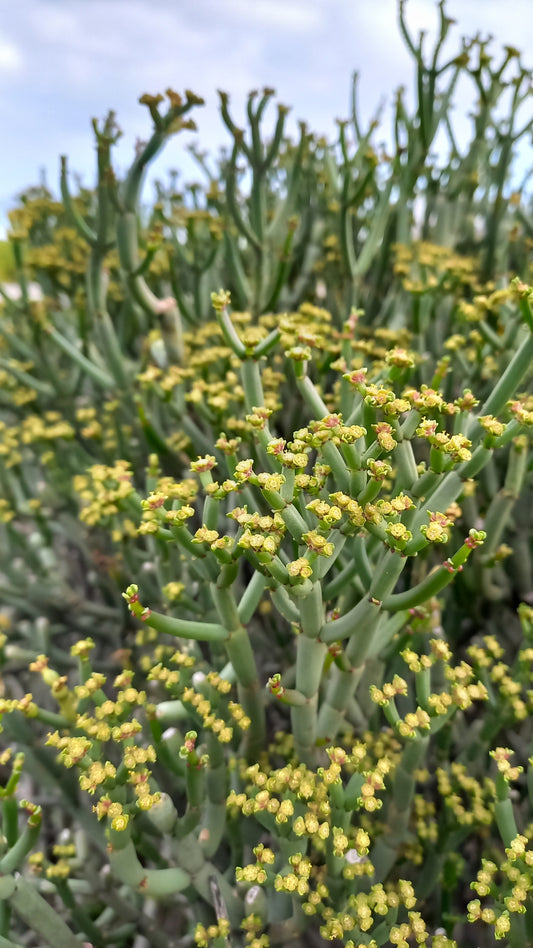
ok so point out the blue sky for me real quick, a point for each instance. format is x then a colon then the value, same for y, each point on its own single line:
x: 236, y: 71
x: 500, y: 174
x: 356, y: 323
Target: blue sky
x: 64, y: 61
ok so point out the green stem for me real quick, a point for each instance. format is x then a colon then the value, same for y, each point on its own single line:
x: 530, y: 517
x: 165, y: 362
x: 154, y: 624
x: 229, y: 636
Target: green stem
x: 385, y: 851
x: 252, y: 385
x: 284, y: 604
x: 310, y: 655
x: 111, y: 347
x: 80, y: 916
x: 334, y: 458
x: 241, y: 656
x: 215, y: 814
x: 511, y: 378
x: 152, y: 883
x: 15, y: 856
x: 340, y: 581
x: 187, y: 628
x: 505, y: 820
x: 93, y: 371
x: 361, y: 624
x: 40, y: 917
x: 189, y: 854
x: 310, y: 394
x: 503, y: 502
x: 6, y: 943
x: 80, y: 224
x: 251, y: 597
x: 431, y: 586
x: 230, y: 334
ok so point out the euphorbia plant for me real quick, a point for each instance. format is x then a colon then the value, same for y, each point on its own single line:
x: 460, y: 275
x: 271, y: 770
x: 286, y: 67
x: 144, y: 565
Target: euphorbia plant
x: 302, y: 727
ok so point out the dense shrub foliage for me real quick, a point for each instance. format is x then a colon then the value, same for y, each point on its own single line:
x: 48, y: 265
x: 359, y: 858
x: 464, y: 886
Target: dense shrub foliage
x: 266, y: 635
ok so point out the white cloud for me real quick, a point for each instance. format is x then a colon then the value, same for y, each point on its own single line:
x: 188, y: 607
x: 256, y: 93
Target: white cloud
x: 78, y: 58
x: 53, y: 24
x: 276, y: 14
x: 11, y: 59
x: 124, y: 44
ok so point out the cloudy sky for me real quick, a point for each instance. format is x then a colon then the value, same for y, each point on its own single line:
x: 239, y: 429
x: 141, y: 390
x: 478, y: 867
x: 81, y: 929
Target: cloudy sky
x: 64, y: 61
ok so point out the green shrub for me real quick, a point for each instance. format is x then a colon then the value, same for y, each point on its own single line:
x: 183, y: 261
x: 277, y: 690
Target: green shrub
x: 7, y: 263
x: 318, y: 480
